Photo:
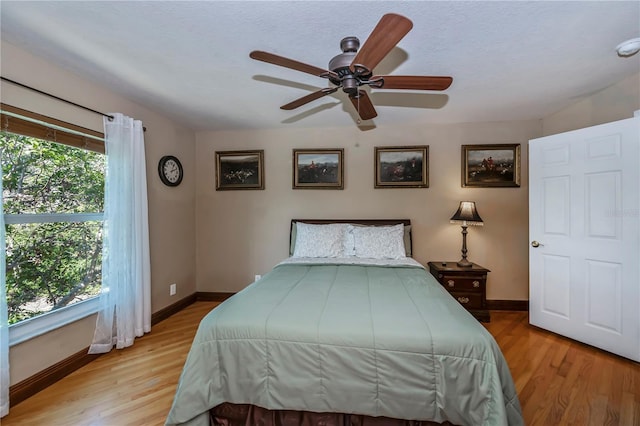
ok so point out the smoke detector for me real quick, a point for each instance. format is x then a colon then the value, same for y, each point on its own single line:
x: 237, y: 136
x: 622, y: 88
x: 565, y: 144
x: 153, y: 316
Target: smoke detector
x: 629, y: 47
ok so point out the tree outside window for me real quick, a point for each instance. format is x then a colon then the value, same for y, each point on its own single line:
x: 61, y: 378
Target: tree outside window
x: 53, y: 203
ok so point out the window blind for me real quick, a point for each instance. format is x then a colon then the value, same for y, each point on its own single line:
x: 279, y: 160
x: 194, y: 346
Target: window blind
x: 19, y: 121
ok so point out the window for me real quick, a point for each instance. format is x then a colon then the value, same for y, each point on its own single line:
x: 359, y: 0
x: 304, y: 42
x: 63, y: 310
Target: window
x: 53, y: 193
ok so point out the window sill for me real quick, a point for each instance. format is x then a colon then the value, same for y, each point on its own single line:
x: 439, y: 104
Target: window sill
x: 33, y: 327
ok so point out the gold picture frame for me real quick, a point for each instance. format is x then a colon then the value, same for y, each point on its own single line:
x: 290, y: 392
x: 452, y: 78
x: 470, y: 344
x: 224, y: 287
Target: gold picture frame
x: 491, y: 165
x: 239, y: 170
x: 402, y: 166
x: 318, y: 168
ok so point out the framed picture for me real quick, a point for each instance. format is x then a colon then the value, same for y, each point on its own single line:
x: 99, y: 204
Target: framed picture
x: 486, y: 166
x: 318, y: 168
x: 239, y: 170
x: 402, y: 167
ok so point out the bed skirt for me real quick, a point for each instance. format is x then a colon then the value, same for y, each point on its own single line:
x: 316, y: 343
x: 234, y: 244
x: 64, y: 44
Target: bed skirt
x: 228, y: 414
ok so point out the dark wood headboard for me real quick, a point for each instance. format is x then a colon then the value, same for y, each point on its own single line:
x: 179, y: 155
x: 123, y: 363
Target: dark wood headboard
x: 367, y: 222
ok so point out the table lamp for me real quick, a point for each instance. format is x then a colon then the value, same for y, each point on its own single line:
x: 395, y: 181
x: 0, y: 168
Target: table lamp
x: 466, y: 215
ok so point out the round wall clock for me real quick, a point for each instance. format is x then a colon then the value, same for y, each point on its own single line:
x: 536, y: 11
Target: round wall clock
x: 170, y: 170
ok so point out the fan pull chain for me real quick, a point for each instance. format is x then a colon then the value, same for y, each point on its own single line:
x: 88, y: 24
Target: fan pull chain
x: 358, y: 120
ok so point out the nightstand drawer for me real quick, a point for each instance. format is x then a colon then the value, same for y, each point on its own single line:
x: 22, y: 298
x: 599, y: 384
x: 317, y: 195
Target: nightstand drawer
x: 468, y: 300
x: 466, y: 284
x: 454, y: 282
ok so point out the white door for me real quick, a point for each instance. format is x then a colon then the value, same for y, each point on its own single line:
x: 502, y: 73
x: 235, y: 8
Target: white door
x: 584, y: 214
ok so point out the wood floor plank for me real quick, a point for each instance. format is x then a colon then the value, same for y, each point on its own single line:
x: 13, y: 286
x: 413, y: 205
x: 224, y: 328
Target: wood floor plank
x: 559, y: 381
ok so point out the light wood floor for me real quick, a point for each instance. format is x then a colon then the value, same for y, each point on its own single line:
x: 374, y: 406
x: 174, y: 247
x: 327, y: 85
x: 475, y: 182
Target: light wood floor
x: 559, y: 381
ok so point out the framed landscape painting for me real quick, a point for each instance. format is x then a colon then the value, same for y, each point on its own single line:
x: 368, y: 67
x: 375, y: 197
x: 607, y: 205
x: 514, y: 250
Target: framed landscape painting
x: 318, y: 168
x: 239, y: 170
x: 493, y: 165
x: 402, y: 167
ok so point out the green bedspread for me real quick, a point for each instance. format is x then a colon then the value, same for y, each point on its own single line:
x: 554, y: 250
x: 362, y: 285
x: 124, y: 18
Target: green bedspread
x: 373, y: 340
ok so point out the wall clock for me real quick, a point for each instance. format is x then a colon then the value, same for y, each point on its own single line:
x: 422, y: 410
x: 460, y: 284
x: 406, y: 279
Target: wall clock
x: 170, y: 170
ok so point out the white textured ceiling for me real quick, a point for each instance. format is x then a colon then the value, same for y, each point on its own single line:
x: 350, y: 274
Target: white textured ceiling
x: 190, y: 60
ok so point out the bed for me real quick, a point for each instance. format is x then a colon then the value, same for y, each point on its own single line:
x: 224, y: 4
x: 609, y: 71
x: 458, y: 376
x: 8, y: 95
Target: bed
x: 348, y: 330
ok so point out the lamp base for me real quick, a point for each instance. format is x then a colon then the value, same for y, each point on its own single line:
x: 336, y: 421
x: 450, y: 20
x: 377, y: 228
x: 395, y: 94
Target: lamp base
x: 464, y: 263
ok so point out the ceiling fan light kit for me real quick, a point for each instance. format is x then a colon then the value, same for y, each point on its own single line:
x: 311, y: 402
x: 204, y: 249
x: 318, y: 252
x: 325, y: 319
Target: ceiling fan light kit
x: 354, y: 68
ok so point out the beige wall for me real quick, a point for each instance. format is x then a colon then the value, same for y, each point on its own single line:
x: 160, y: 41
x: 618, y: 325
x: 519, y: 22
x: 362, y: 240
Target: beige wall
x: 243, y: 233
x: 171, y: 210
x: 613, y: 103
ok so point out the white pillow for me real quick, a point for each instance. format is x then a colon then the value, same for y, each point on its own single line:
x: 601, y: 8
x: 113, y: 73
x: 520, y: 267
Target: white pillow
x: 319, y: 240
x: 349, y: 241
x: 379, y: 242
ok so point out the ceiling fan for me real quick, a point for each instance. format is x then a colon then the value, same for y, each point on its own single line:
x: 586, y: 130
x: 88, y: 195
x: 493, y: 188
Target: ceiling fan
x: 352, y: 68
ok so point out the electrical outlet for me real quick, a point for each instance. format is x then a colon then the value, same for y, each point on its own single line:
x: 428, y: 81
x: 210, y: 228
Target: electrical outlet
x: 172, y: 289
x: 258, y: 276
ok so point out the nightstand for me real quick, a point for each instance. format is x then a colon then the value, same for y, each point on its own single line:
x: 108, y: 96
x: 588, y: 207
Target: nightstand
x: 467, y: 285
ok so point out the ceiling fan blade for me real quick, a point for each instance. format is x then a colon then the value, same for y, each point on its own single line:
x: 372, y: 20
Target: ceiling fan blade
x: 310, y: 97
x: 363, y: 105
x: 389, y: 31
x: 411, y: 82
x: 287, y: 63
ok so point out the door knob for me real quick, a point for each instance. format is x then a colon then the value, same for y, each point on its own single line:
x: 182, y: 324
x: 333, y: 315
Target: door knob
x: 535, y: 244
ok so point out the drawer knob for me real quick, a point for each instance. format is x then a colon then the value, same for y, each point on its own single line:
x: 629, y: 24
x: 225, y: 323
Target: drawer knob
x: 463, y: 300
x: 451, y: 283
x: 476, y: 284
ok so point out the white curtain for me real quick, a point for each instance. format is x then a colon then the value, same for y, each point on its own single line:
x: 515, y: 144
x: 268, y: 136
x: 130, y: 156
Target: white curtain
x: 125, y: 311
x: 4, y: 327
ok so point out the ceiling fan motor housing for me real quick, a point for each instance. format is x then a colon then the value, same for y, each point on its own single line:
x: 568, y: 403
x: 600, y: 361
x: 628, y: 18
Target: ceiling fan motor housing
x: 340, y: 65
